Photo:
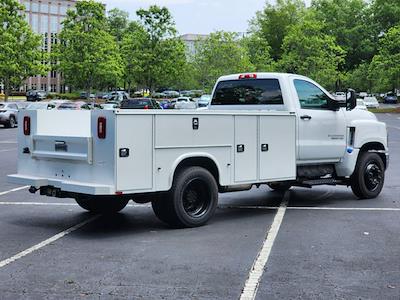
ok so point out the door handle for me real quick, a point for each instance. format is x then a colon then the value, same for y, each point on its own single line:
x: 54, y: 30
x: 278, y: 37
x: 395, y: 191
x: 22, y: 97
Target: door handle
x: 306, y: 117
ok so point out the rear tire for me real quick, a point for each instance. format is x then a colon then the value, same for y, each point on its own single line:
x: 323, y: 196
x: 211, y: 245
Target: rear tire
x: 369, y: 176
x: 102, y: 204
x: 192, y: 200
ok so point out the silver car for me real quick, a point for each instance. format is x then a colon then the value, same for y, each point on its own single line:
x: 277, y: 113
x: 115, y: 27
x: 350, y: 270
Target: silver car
x: 8, y: 114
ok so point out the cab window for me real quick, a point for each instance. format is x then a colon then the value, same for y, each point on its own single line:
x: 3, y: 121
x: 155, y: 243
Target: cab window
x: 248, y: 91
x: 310, y: 96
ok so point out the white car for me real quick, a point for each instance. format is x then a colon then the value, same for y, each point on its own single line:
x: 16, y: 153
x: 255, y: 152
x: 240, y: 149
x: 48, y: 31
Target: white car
x: 185, y: 103
x: 361, y: 104
x: 340, y: 96
x: 371, y: 102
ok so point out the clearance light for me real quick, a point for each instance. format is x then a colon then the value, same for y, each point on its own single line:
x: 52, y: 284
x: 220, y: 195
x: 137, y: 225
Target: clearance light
x: 27, y: 125
x: 248, y: 76
x: 101, y: 127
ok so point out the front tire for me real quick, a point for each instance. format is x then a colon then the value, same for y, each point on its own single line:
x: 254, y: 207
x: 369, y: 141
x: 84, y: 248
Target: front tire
x: 102, y: 204
x: 192, y: 200
x: 369, y: 176
x: 11, y: 123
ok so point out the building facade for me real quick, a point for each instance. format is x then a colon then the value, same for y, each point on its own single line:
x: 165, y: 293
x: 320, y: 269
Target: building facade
x: 190, y: 40
x: 45, y: 18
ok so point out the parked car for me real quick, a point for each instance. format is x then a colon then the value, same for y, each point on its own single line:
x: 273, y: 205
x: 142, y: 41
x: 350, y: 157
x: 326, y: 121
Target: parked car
x: 22, y: 105
x: 57, y: 103
x: 361, y: 104
x: 204, y: 101
x: 185, y: 103
x: 36, y: 95
x: 340, y: 96
x: 371, y: 102
x: 363, y: 95
x: 118, y: 96
x: 171, y: 94
x: 84, y: 95
x: 109, y: 106
x: 390, y: 98
x: 41, y: 105
x: 78, y: 105
x: 140, y: 103
x: 8, y: 114
x: 166, y: 104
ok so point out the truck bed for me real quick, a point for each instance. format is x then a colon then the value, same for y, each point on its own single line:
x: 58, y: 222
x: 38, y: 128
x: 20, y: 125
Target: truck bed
x: 64, y: 150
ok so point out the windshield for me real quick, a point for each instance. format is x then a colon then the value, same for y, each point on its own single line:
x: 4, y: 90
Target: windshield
x: 37, y: 106
x: 248, y: 91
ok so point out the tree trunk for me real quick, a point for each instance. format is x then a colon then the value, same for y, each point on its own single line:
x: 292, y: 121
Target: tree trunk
x: 6, y: 89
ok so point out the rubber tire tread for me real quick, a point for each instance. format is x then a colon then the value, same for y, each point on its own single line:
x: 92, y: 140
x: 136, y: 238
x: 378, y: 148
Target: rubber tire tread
x: 357, y: 179
x: 170, y: 210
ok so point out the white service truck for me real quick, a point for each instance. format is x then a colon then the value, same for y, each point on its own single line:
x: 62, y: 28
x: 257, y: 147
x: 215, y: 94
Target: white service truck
x: 265, y: 128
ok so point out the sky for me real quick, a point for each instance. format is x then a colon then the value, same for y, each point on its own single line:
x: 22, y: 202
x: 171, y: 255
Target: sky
x: 199, y: 16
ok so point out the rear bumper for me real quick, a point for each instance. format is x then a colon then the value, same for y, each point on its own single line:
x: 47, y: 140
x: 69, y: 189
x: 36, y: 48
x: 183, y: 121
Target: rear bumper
x: 65, y: 186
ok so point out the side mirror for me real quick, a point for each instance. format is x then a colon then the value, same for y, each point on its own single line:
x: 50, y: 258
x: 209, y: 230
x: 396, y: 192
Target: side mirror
x: 351, y: 99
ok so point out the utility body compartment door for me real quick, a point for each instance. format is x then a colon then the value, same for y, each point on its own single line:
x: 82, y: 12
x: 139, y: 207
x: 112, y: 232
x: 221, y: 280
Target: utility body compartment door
x: 277, y: 148
x: 134, y: 134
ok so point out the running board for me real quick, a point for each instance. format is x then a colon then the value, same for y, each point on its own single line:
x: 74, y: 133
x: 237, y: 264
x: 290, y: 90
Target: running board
x: 311, y: 182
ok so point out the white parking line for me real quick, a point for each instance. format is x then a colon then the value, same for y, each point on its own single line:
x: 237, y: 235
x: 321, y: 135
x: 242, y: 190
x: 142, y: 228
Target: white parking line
x: 8, y: 142
x: 45, y: 242
x: 313, y: 208
x: 257, y: 270
x: 7, y: 150
x: 59, y: 204
x: 14, y: 190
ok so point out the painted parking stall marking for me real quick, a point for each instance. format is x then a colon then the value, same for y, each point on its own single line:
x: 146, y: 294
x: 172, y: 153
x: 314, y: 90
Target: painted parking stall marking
x: 257, y: 270
x: 14, y: 190
x: 46, y: 242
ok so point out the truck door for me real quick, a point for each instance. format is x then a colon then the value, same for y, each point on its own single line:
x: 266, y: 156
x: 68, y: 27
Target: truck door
x: 321, y: 131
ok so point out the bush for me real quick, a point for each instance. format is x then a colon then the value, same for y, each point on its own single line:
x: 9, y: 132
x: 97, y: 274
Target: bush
x: 67, y: 96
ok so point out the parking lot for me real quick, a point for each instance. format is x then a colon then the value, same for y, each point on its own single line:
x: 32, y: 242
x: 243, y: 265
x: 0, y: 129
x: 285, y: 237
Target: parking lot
x: 325, y: 244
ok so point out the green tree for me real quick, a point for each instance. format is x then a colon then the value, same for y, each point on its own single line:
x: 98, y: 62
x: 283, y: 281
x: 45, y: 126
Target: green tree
x: 359, y: 78
x: 311, y: 52
x: 20, y: 54
x: 351, y: 23
x: 220, y: 54
x: 88, y: 55
x: 258, y: 51
x: 158, y: 54
x: 117, y: 23
x: 386, y: 14
x: 385, y: 65
x: 273, y: 22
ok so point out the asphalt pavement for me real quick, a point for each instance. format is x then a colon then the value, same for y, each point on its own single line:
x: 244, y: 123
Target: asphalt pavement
x: 319, y: 243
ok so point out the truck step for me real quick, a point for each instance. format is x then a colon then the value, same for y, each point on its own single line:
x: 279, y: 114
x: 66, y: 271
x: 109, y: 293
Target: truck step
x: 325, y: 181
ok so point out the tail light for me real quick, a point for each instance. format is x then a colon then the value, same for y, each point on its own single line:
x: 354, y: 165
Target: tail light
x: 248, y: 76
x: 101, y: 127
x: 27, y: 125
x: 146, y: 107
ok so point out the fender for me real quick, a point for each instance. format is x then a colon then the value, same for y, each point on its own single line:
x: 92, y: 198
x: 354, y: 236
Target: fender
x: 190, y: 155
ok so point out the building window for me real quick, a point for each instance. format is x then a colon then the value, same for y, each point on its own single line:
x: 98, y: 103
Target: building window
x: 43, y: 87
x: 44, y: 24
x: 53, y: 88
x: 53, y: 74
x: 35, y: 23
x: 63, y: 10
x: 27, y: 5
x: 35, y: 7
x: 44, y: 8
x: 54, y: 9
x: 53, y: 24
x: 45, y: 42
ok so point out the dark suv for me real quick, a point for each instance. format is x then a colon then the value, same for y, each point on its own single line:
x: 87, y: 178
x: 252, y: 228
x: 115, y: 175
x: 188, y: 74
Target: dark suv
x: 35, y: 95
x: 140, y: 103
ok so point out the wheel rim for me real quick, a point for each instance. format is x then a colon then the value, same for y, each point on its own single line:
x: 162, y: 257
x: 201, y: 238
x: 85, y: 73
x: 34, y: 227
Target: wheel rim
x: 12, y: 122
x: 372, y: 176
x: 196, y: 198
